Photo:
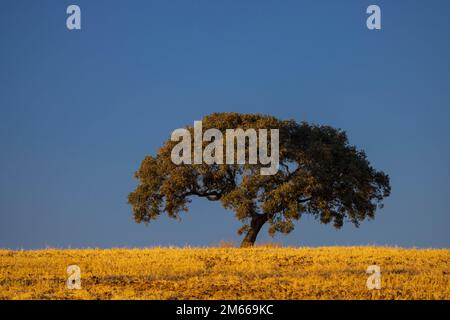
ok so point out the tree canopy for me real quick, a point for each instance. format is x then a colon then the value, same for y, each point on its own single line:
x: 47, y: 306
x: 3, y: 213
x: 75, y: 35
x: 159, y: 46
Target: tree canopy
x: 320, y: 174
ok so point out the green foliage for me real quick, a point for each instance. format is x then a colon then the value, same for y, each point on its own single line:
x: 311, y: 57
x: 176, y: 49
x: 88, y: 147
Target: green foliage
x: 320, y: 174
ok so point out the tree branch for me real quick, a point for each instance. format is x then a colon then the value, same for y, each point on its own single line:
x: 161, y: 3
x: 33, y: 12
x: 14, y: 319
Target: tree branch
x: 211, y: 195
x: 305, y: 200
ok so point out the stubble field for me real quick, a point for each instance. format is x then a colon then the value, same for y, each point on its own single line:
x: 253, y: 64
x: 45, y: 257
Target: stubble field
x: 226, y: 273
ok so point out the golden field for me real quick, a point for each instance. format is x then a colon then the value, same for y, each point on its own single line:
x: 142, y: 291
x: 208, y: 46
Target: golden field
x: 226, y: 273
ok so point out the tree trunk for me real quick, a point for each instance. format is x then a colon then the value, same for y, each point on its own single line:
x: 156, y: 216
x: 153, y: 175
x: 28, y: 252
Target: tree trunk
x: 255, y: 226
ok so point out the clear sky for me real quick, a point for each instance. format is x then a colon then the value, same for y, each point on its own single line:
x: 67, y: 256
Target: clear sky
x: 79, y: 110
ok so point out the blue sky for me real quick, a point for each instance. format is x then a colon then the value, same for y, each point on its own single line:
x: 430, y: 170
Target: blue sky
x: 79, y: 110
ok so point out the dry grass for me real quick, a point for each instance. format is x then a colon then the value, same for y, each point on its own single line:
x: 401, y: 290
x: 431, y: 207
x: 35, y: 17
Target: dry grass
x: 226, y: 273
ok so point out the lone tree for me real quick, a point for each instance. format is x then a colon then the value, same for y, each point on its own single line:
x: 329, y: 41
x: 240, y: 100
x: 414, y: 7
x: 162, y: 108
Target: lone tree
x: 320, y: 174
